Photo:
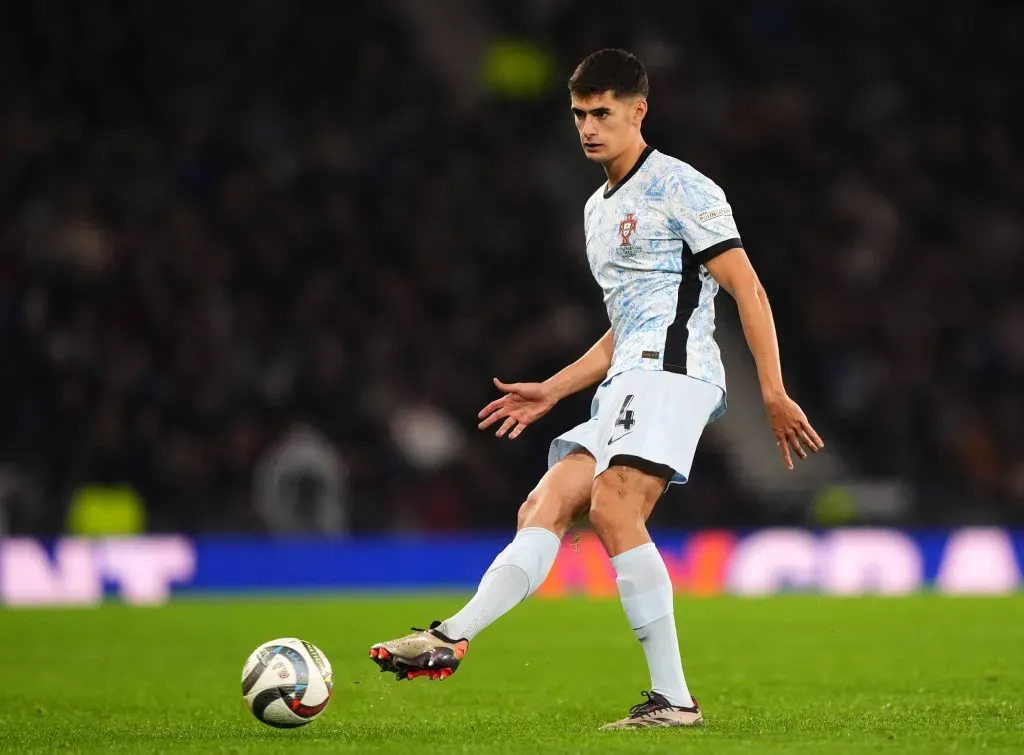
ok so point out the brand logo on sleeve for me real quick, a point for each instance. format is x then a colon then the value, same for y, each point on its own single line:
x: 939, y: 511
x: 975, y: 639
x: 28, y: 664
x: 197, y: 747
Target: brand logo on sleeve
x: 718, y: 212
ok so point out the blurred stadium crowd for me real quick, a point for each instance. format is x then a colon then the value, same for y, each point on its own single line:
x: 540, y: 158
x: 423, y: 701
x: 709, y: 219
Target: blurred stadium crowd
x: 216, y: 226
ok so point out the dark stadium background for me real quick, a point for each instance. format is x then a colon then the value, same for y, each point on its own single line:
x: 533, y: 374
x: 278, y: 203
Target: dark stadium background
x: 229, y: 228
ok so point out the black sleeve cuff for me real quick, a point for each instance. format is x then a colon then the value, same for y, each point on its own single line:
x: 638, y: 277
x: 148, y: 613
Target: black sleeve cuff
x: 706, y: 255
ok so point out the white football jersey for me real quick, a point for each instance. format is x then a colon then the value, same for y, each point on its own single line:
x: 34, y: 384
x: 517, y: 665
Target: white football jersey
x: 647, y: 241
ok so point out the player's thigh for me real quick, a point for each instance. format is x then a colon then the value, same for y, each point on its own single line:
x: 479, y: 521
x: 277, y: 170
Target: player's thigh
x: 626, y: 492
x: 562, y: 494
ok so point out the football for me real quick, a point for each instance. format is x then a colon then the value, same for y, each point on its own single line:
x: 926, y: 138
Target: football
x: 287, y: 682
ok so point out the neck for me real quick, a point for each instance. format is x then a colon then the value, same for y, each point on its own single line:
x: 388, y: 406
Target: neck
x: 617, y: 168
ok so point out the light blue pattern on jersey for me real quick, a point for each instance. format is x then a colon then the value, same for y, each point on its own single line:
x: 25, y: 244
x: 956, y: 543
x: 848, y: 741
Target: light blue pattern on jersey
x: 640, y: 241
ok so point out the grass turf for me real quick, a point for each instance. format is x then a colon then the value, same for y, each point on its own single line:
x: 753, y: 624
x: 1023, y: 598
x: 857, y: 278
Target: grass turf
x: 779, y: 675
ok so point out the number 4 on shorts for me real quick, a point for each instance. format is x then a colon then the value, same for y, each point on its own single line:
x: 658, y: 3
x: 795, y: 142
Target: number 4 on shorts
x: 625, y: 419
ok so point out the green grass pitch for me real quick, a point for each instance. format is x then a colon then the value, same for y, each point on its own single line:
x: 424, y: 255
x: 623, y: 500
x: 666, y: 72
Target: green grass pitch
x: 776, y: 675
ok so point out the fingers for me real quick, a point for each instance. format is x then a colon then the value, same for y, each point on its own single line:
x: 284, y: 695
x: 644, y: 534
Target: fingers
x: 514, y: 423
x: 507, y: 425
x: 794, y: 443
x: 810, y: 438
x: 498, y: 413
x: 794, y: 440
x: 494, y: 411
x: 784, y: 450
x: 806, y: 440
x: 792, y: 433
x: 818, y: 442
x: 494, y: 406
x: 506, y: 387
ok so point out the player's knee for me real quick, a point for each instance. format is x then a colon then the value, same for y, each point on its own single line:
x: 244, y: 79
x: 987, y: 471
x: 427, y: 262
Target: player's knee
x: 526, y: 511
x: 622, y: 497
x: 546, y: 509
x: 608, y: 519
x: 613, y: 504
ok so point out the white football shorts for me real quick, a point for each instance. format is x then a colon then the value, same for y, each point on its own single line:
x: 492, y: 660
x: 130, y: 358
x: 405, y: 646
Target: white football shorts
x: 651, y: 414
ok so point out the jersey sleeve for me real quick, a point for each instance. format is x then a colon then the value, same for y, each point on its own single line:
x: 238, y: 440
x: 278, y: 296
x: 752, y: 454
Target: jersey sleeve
x: 703, y: 217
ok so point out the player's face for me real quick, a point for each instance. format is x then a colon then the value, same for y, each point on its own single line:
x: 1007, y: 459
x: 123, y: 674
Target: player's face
x: 607, y: 124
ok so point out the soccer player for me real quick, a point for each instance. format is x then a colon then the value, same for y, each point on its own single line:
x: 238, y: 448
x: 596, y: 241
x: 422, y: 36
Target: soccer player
x: 661, y: 240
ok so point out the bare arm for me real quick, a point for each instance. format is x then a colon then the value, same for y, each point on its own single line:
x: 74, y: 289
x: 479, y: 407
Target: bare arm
x: 733, y: 271
x: 524, y: 403
x: 589, y: 369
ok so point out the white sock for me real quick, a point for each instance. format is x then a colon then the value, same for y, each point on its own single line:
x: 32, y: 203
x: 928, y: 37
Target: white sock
x: 646, y: 592
x: 512, y: 577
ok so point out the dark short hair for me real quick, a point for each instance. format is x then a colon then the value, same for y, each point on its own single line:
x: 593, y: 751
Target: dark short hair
x: 613, y: 70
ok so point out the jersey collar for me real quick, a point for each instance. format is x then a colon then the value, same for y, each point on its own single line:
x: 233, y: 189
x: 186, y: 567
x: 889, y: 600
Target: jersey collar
x: 636, y: 166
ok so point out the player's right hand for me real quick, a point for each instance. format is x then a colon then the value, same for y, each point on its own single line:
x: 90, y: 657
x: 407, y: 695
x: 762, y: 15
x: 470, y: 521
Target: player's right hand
x: 522, y: 404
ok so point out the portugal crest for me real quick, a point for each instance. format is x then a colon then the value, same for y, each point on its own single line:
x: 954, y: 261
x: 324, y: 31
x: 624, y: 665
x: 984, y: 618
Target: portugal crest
x: 627, y: 227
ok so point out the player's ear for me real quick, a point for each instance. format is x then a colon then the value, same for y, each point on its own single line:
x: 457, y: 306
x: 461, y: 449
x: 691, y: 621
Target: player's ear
x: 639, y: 110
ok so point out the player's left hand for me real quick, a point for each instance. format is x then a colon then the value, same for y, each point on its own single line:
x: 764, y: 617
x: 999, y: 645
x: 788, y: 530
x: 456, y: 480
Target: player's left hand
x: 522, y: 404
x: 791, y: 428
